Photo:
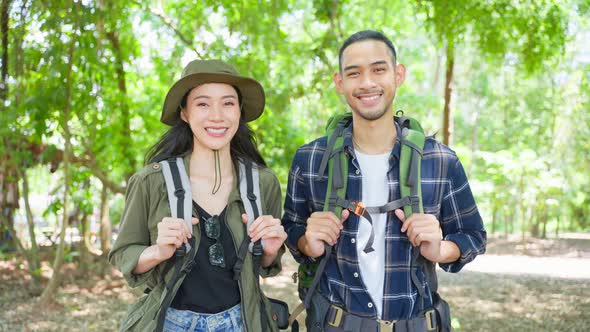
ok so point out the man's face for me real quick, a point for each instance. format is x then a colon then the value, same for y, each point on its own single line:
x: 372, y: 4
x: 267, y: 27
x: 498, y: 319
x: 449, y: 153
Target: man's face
x: 369, y: 78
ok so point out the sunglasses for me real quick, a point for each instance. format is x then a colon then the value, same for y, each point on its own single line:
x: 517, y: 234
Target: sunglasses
x: 213, y: 231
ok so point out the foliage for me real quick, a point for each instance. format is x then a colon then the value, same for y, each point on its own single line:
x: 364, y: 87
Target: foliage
x: 521, y: 86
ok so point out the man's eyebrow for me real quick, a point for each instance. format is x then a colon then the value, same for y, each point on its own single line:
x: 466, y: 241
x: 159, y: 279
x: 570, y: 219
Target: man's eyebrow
x: 351, y: 67
x: 380, y: 62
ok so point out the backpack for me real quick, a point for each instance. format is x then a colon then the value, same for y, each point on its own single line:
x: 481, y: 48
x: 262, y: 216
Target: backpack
x: 180, y: 201
x: 336, y: 161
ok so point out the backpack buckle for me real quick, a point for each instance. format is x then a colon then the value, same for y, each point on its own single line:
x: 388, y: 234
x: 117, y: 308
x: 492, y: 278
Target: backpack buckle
x: 179, y: 193
x: 386, y: 325
x: 430, y: 316
x: 337, y: 314
x: 257, y: 249
x: 357, y: 208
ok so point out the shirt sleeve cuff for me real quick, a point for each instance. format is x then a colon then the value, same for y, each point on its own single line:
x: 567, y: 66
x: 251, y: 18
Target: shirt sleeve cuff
x: 128, y: 261
x: 467, y: 253
x: 275, y: 267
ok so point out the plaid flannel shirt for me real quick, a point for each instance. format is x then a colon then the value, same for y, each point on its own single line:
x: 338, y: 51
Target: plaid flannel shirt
x: 446, y: 195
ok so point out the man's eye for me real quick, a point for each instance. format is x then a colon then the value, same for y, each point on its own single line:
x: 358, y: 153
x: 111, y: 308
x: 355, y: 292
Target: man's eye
x: 352, y: 74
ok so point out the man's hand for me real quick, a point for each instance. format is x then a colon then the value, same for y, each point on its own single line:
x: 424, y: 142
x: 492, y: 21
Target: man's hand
x: 423, y: 230
x: 322, y: 227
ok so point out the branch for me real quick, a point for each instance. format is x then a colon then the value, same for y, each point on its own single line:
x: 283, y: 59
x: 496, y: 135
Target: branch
x: 100, y: 174
x: 169, y: 23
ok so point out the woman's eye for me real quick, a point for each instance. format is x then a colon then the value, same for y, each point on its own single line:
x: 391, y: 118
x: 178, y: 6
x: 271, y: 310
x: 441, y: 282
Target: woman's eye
x: 202, y: 105
x: 229, y: 103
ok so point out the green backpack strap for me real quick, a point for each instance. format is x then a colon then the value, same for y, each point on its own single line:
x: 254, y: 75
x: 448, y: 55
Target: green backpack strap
x: 412, y: 143
x: 335, y: 159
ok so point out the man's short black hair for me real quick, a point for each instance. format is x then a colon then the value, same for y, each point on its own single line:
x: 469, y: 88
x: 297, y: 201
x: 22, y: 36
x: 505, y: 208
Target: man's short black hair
x: 366, y: 35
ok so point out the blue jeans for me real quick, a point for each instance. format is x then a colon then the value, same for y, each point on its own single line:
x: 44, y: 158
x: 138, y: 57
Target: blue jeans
x: 185, y: 320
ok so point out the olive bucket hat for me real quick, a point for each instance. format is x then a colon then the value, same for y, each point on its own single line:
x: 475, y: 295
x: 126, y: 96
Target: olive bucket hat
x: 199, y: 72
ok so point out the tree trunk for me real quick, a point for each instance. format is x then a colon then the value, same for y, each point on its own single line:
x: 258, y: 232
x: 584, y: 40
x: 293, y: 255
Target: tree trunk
x: 447, y: 113
x: 474, y: 139
x: 50, y: 291
x: 113, y: 38
x: 4, y: 20
x: 5, y: 210
x: 34, y: 261
x: 105, y: 222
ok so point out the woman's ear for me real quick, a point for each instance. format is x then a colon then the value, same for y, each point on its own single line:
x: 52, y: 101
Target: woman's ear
x: 183, y: 114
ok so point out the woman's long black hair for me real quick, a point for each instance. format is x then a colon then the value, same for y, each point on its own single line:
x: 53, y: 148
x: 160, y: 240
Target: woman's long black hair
x: 178, y: 140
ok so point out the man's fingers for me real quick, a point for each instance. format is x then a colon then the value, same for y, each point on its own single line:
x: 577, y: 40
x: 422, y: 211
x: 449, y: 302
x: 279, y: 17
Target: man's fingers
x: 326, y: 228
x: 326, y: 215
x: 324, y: 234
x: 400, y: 214
x: 344, y: 216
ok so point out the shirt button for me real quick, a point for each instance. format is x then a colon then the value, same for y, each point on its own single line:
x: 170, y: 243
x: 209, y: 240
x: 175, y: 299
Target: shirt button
x: 353, y: 240
x: 370, y: 305
x: 356, y: 275
x: 358, y: 172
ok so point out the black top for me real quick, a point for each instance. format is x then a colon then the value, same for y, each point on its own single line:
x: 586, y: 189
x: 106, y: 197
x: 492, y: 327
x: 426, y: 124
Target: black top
x: 207, y: 288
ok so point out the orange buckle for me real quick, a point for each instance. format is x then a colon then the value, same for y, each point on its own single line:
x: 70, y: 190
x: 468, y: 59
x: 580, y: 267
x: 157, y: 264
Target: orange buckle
x: 359, y: 209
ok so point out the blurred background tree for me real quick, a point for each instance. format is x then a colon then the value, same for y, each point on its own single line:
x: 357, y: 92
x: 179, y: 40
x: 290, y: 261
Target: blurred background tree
x: 82, y: 85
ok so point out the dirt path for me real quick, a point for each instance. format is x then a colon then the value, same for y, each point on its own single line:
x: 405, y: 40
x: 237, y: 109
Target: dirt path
x: 540, y: 286
x: 554, y: 267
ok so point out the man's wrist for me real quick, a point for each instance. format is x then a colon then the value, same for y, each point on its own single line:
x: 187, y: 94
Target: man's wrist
x: 449, y: 252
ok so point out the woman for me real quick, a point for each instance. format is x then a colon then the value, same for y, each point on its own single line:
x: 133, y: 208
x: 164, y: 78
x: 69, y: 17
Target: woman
x: 207, y: 110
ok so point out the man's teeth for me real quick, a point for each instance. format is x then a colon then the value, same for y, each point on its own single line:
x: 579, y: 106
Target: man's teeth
x: 370, y: 97
x: 216, y: 131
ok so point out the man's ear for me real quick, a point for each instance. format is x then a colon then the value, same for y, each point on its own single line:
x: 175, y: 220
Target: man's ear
x: 338, y: 82
x: 400, y: 74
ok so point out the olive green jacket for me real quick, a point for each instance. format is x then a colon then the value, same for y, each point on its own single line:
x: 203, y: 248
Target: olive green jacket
x: 146, y: 203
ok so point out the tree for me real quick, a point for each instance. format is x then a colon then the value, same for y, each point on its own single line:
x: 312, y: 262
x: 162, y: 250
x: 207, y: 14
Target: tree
x: 534, y: 31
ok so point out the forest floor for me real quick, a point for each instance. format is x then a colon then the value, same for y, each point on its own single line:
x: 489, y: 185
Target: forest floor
x: 540, y: 286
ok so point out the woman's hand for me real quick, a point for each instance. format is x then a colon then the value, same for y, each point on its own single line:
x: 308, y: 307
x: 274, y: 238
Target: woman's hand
x: 172, y: 233
x: 269, y: 229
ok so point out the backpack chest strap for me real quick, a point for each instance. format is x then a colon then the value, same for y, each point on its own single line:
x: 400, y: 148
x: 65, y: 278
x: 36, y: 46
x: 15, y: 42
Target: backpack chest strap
x: 365, y: 211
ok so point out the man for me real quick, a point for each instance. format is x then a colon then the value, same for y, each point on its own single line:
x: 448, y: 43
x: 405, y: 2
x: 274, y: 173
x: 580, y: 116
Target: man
x: 377, y: 285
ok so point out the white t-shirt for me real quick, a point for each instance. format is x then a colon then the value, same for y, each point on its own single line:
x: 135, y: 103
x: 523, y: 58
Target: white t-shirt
x: 375, y: 193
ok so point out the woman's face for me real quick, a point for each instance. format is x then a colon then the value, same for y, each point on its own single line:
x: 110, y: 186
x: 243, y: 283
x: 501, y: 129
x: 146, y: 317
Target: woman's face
x: 213, y: 113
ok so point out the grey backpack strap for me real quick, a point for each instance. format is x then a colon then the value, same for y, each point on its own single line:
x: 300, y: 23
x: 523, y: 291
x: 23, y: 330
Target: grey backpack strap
x: 250, y: 193
x: 179, y: 191
x: 180, y: 200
